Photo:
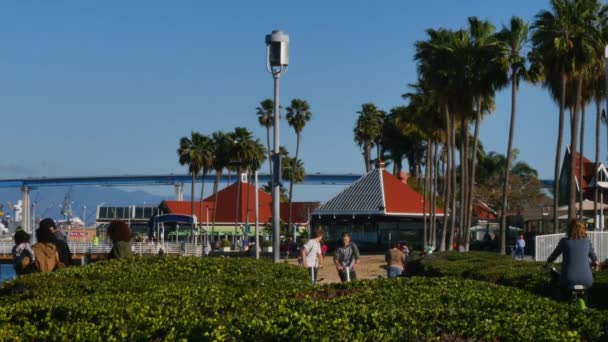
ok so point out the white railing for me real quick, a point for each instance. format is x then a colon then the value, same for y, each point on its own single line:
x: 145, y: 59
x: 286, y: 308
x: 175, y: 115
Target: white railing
x: 138, y: 248
x: 545, y: 244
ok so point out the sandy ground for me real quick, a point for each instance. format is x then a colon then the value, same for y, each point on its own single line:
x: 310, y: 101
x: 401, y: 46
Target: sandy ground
x: 369, y: 267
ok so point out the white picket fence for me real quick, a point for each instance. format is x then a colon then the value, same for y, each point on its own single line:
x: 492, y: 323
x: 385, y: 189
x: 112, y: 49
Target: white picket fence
x: 545, y: 244
x: 137, y: 248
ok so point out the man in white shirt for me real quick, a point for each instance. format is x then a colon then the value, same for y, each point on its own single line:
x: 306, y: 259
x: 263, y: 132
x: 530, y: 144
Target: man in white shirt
x: 312, y: 256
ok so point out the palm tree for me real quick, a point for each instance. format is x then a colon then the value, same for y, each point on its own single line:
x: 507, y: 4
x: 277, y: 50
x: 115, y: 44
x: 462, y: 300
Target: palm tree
x: 222, y: 146
x: 514, y: 39
x: 191, y: 153
x: 298, y: 115
x: 367, y: 130
x: 438, y: 69
x: 208, y: 156
x: 265, y: 112
x: 566, y: 39
x: 242, y: 151
x: 255, y: 160
x: 487, y: 76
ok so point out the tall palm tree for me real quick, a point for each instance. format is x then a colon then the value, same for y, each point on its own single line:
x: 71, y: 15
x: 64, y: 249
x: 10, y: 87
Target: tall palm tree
x: 514, y: 39
x: 367, y: 130
x: 265, y: 112
x: 298, y: 115
x: 439, y: 69
x: 208, y: 156
x: 551, y: 48
x: 488, y: 75
x: 242, y: 151
x: 191, y: 153
x: 222, y: 146
x: 567, y: 38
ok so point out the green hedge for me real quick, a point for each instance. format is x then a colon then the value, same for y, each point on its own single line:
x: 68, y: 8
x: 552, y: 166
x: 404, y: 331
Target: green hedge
x: 176, y: 298
x: 503, y: 270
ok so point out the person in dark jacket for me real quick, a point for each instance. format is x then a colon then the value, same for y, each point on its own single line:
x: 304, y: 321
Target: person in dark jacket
x: 346, y: 257
x: 577, y: 251
x: 120, y: 234
x: 65, y: 255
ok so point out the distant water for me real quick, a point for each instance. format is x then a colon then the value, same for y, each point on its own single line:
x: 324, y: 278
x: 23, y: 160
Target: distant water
x: 7, y: 272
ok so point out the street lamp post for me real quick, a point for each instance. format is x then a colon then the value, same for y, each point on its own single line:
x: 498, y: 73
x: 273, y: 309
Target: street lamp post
x: 277, y: 60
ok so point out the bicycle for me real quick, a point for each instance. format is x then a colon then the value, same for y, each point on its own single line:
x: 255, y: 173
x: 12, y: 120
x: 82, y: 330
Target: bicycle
x: 577, y: 293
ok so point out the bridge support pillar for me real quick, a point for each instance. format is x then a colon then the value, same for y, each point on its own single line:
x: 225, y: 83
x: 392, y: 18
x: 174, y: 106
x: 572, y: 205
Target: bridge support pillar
x: 25, y: 209
x: 179, y: 191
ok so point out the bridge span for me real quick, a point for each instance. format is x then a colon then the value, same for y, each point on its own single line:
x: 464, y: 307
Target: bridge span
x: 176, y: 180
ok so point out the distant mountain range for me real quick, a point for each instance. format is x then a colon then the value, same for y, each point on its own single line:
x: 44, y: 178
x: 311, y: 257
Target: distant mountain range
x: 48, y: 201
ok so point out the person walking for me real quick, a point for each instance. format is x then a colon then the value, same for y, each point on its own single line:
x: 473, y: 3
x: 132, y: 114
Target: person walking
x: 311, y: 255
x: 346, y: 257
x: 395, y: 261
x: 520, y: 244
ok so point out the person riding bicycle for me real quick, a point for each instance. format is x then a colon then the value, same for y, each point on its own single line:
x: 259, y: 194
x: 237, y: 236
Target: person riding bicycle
x: 577, y: 250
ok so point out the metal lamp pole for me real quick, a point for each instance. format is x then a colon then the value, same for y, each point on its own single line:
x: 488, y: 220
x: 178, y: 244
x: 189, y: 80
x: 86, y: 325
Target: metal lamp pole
x: 277, y: 60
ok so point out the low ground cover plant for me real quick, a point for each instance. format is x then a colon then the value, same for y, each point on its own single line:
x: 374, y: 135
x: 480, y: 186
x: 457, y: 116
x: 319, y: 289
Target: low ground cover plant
x: 172, y: 298
x: 503, y: 270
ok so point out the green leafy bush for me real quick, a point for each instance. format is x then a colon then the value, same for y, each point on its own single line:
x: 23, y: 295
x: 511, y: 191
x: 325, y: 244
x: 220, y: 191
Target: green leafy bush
x: 503, y: 270
x: 266, y: 243
x: 225, y: 243
x: 174, y: 298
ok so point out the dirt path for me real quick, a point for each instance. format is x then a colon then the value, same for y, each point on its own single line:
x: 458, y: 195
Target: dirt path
x: 369, y: 267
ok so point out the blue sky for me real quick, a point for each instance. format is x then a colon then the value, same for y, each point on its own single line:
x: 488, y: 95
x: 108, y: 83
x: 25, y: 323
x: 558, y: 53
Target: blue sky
x: 108, y: 87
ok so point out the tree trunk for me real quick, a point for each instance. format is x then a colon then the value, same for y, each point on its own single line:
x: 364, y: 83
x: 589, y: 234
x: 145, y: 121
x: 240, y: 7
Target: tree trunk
x: 447, y: 177
x: 581, y: 164
x: 367, y: 150
x: 291, y: 181
x: 425, y: 192
x: 598, y: 108
x: 558, y: 153
x: 238, y: 204
x: 200, y: 218
x: 505, y: 187
x: 573, y: 149
x: 269, y: 156
x: 434, y: 194
x: 218, y: 175
x: 464, y: 186
x: 463, y: 166
x: 454, y: 183
x: 471, y: 190
x: 192, y: 199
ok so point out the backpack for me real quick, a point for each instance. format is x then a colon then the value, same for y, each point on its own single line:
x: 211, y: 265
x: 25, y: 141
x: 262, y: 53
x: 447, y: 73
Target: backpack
x: 47, y: 258
x: 23, y: 264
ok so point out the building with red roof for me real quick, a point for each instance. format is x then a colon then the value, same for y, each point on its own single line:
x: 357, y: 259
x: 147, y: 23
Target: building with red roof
x: 585, y: 184
x: 236, y: 208
x: 376, y: 209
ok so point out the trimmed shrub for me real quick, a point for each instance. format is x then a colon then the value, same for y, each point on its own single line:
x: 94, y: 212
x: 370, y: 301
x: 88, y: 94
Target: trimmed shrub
x: 173, y: 298
x: 503, y: 270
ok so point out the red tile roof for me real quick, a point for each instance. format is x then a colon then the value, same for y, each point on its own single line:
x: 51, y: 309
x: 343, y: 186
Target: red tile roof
x: 377, y: 193
x: 227, y: 206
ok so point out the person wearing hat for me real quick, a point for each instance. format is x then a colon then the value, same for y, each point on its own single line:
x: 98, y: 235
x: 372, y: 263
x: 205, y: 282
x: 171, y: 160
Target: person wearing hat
x: 23, y: 255
x: 58, y: 239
